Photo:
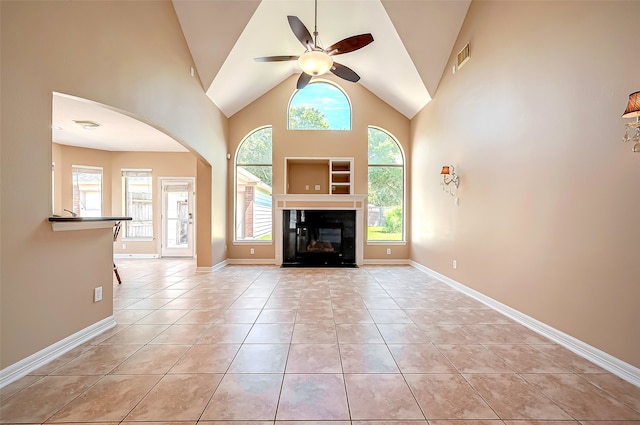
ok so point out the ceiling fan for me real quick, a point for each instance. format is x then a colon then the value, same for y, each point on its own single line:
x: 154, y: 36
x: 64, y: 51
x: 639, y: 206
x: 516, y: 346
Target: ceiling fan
x: 317, y: 60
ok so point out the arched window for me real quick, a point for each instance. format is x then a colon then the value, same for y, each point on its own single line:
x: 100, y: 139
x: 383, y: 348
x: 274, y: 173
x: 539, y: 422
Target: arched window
x: 253, y: 172
x: 319, y: 106
x: 386, y: 187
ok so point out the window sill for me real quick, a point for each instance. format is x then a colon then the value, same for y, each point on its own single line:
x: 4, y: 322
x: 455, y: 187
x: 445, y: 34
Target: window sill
x: 386, y: 242
x: 253, y: 242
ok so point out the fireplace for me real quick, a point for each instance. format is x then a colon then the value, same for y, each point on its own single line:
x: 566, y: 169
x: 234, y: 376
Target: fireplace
x: 285, y: 232
x: 319, y: 238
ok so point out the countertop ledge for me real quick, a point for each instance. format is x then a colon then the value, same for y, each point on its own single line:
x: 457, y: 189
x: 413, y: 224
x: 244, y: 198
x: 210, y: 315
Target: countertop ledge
x: 84, y: 223
x: 68, y: 219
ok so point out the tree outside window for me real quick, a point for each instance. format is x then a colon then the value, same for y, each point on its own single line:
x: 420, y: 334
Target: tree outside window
x: 386, y: 187
x: 319, y: 106
x: 253, y: 187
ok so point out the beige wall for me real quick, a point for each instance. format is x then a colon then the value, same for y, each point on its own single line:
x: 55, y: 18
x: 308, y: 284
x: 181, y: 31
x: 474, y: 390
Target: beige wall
x: 303, y: 175
x: 70, y: 156
x: 129, y: 55
x: 162, y: 164
x: 548, y: 216
x: 271, y: 109
x: 205, y: 237
x: 56, y: 161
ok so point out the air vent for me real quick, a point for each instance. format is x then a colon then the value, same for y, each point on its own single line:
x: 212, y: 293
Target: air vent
x: 87, y: 125
x: 463, y: 55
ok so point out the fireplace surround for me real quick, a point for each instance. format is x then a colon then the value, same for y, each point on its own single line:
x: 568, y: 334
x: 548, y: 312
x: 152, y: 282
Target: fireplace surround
x: 336, y: 227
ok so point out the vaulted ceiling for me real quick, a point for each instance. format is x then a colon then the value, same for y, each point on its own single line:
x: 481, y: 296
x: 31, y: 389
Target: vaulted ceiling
x: 413, y: 40
x: 403, y: 66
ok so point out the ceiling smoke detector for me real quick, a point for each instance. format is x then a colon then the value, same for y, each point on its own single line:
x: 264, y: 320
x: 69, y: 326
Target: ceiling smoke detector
x: 87, y: 125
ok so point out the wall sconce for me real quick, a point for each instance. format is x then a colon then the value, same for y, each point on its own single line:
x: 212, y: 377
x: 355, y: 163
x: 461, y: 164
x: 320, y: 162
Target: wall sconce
x: 449, y: 179
x: 633, y: 110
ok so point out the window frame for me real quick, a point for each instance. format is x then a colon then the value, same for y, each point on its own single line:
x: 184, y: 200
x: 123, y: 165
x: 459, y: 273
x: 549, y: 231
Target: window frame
x: 237, y: 241
x: 124, y: 233
x: 89, y: 169
x: 403, y: 166
x: 326, y: 82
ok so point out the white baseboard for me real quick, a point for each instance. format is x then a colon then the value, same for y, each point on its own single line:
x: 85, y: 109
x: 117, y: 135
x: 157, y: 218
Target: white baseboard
x: 266, y: 261
x: 213, y: 268
x: 136, y: 256
x: 252, y: 261
x: 27, y: 365
x: 606, y: 361
x: 381, y: 261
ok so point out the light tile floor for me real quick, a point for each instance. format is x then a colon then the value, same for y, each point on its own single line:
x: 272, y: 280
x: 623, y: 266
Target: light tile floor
x: 367, y: 346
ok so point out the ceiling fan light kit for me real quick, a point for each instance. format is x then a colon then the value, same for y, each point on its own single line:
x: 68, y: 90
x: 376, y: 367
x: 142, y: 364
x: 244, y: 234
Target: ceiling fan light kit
x: 316, y: 60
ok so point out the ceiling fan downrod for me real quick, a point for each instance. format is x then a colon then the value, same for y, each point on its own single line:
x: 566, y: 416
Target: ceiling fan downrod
x: 315, y: 25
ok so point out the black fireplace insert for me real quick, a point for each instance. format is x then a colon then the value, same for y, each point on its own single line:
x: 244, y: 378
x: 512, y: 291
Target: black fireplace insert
x: 319, y: 238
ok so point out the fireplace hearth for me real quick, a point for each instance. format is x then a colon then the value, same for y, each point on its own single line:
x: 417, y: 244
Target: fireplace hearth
x: 313, y: 238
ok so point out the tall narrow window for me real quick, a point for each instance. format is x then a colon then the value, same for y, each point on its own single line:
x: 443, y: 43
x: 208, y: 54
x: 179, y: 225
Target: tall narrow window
x: 386, y: 187
x: 87, y: 190
x: 320, y: 106
x: 253, y: 187
x: 137, y: 189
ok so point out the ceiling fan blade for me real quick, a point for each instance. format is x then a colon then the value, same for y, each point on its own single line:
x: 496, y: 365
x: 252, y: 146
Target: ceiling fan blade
x: 350, y: 44
x: 344, y: 72
x: 303, y: 80
x: 275, y: 58
x: 301, y: 32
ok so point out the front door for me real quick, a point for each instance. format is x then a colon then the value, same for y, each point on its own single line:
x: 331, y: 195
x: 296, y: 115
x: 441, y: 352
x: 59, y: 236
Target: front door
x: 177, y: 217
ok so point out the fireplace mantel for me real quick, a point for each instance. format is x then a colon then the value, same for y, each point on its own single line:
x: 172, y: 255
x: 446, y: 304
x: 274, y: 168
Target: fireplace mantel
x: 320, y: 202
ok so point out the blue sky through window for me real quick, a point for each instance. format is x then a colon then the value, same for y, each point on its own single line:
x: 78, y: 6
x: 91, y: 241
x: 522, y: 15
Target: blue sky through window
x: 329, y: 100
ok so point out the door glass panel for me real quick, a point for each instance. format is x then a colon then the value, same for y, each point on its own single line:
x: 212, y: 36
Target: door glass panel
x: 177, y: 218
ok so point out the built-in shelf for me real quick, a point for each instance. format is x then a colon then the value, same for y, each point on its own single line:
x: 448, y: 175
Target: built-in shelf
x: 319, y: 176
x: 341, y: 173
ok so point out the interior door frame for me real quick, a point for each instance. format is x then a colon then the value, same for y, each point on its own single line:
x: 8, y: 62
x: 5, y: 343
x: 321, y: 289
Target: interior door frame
x: 191, y: 253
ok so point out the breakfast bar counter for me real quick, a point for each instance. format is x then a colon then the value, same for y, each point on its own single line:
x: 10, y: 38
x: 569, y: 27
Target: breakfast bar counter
x: 59, y: 223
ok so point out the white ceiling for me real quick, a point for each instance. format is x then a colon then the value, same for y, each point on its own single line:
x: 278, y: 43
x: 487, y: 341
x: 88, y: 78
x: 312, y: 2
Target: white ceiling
x: 413, y: 40
x: 117, y: 131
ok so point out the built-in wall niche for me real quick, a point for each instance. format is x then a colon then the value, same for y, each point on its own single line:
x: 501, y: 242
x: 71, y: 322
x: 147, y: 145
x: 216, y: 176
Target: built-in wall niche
x: 319, y: 176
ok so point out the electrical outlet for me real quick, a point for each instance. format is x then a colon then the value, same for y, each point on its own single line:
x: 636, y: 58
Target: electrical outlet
x: 124, y: 246
x: 306, y: 187
x: 97, y: 294
x: 455, y: 264
x: 388, y: 251
x: 317, y: 187
x: 251, y: 251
